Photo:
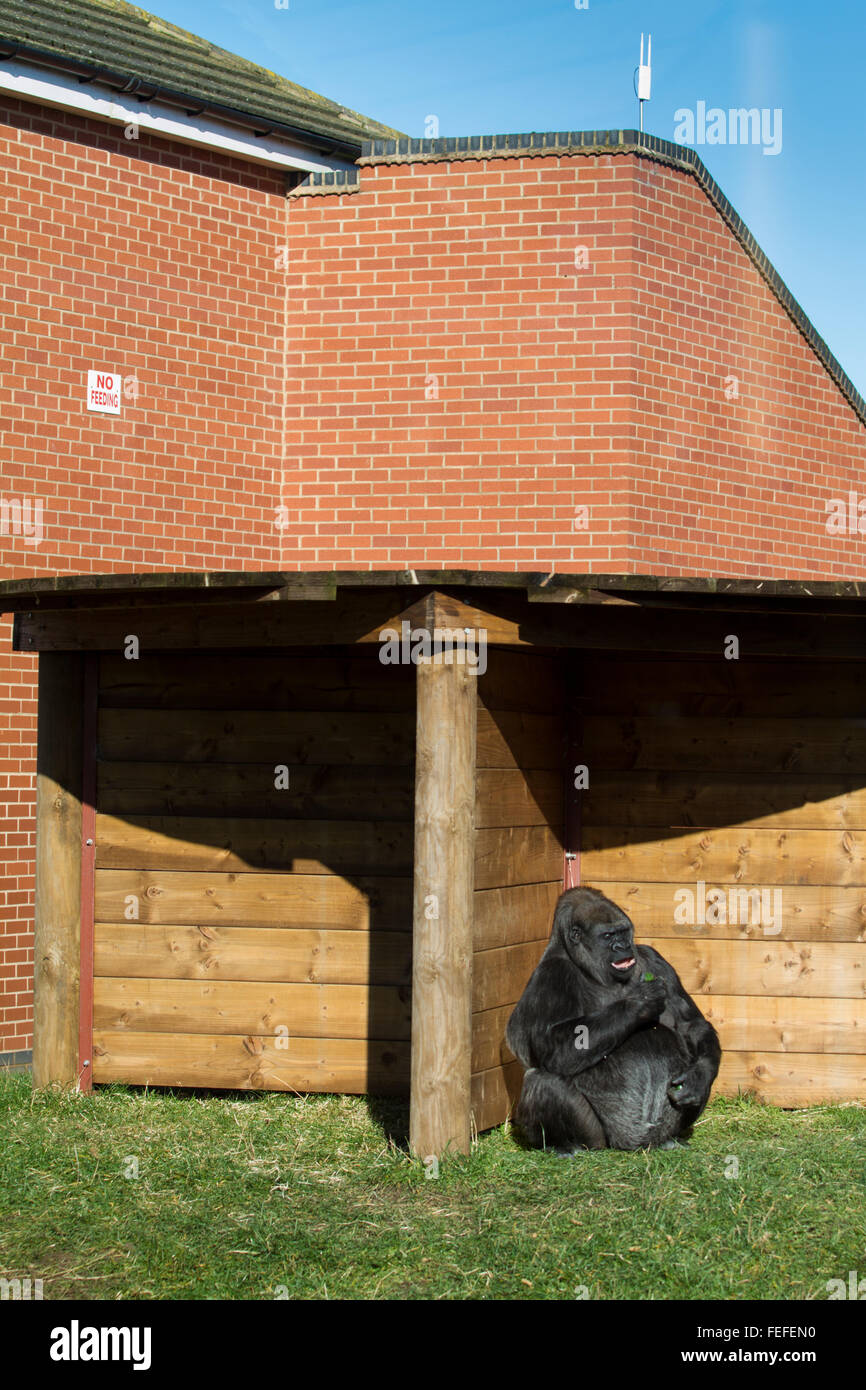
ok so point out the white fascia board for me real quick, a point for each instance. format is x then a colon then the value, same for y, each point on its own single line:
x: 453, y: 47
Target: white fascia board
x: 68, y: 94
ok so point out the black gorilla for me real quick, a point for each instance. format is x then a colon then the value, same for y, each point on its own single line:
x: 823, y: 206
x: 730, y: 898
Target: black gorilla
x: 614, y: 1060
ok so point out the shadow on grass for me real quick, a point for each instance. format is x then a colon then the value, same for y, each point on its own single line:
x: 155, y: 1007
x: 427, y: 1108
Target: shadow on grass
x: 391, y: 1114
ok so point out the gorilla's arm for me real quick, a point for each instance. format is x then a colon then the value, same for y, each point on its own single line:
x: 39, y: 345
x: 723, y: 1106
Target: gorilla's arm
x: 543, y: 1030
x: 698, y: 1038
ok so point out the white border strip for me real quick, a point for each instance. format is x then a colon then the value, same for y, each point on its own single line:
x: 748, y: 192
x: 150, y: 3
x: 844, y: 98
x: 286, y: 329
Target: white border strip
x: 68, y: 94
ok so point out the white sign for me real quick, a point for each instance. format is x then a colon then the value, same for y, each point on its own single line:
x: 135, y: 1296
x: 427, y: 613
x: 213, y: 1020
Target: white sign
x: 103, y: 392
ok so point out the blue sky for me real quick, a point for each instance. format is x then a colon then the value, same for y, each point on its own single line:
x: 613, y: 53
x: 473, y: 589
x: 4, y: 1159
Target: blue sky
x: 489, y: 66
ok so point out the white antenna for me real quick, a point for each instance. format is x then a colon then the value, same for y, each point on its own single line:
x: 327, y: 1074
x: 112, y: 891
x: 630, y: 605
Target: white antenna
x: 644, y: 75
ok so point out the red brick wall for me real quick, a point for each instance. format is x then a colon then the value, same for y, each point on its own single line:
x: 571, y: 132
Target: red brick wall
x: 558, y: 386
x: 17, y: 806
x: 730, y: 477
x: 458, y: 387
x: 430, y: 381
x: 143, y: 258
x: 159, y: 263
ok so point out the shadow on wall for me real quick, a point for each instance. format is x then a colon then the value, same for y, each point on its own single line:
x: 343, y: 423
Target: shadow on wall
x: 257, y: 815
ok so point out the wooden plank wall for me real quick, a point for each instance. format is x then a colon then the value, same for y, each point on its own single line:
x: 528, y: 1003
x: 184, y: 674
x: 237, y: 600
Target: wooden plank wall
x: 249, y: 935
x: 518, y: 856
x: 741, y: 775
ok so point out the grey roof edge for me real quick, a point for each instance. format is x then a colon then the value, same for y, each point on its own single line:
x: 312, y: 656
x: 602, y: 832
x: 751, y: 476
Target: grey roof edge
x: 19, y: 594
x: 138, y: 88
x: 328, y: 181
x: 593, y: 142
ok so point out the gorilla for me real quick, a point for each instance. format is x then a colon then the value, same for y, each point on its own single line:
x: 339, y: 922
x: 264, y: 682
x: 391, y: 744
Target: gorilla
x: 617, y: 1054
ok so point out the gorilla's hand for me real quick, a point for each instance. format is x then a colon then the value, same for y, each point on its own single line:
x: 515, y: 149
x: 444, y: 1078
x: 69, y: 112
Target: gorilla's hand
x: 687, y: 1089
x: 651, y: 997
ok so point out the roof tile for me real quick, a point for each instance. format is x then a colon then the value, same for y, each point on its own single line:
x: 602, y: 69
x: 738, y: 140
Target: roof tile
x: 125, y: 41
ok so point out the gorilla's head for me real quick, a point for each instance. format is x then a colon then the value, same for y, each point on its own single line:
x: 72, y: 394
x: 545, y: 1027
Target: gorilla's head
x: 595, y: 934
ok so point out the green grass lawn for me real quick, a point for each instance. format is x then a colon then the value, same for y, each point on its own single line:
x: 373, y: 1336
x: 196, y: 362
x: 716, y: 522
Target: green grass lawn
x: 259, y: 1196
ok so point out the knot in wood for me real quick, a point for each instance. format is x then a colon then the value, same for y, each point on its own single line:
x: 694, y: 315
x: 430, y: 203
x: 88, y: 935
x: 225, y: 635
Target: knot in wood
x: 429, y: 969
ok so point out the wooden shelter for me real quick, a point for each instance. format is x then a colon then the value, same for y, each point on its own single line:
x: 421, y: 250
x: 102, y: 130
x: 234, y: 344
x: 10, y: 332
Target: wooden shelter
x: 267, y: 859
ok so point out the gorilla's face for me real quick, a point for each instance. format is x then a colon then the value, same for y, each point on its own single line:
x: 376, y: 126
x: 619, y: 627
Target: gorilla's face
x: 613, y: 945
x: 597, y: 935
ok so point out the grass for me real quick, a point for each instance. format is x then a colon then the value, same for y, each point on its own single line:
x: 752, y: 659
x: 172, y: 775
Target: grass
x: 261, y: 1195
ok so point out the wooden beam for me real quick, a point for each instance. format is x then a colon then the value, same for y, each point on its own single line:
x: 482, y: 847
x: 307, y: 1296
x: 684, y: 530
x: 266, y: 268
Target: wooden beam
x: 677, y: 800
x: 282, y: 955
x: 223, y: 843
x: 506, y: 916
x: 505, y: 616
x: 539, y: 586
x: 511, y: 621
x: 735, y: 856
x: 443, y: 913
x: 773, y: 1024
x: 88, y: 868
x: 643, y: 687
x: 501, y: 976
x: 808, y: 913
x: 810, y: 747
x: 495, y: 1094
x: 318, y: 791
x: 793, y: 1079
x: 166, y: 587
x: 507, y: 856
x: 805, y: 970
x: 174, y: 898
x: 352, y: 1066
x: 250, y: 1007
x: 245, y: 736
x: 354, y: 681
x: 191, y: 626
x: 58, y: 869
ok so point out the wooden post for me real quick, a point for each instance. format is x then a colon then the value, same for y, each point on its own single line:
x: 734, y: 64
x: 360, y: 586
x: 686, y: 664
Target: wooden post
x: 58, y: 869
x: 443, y: 912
